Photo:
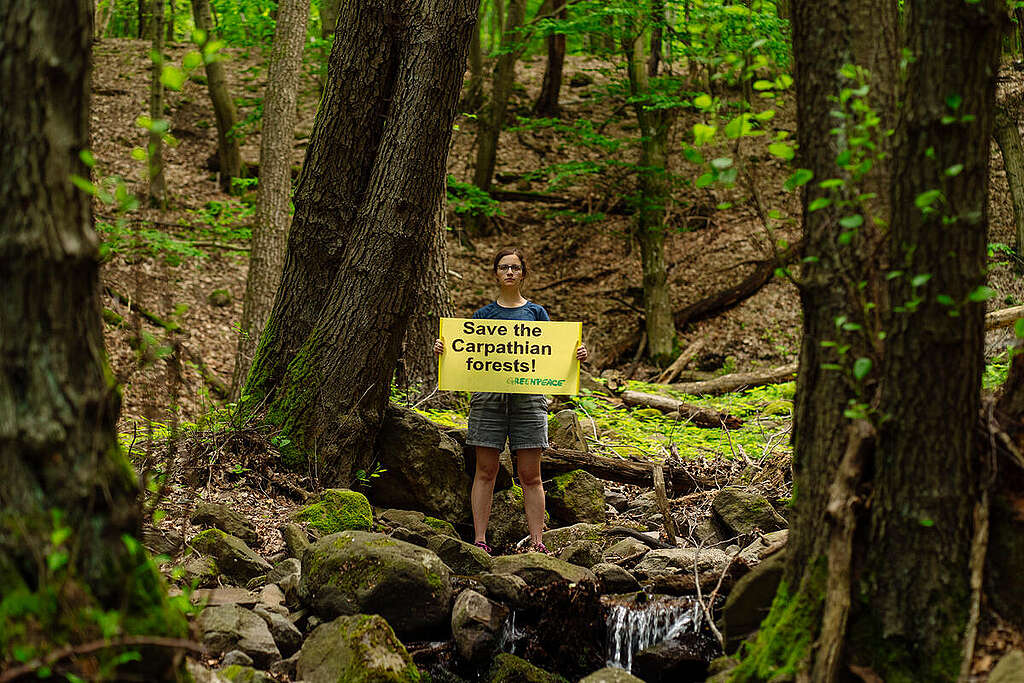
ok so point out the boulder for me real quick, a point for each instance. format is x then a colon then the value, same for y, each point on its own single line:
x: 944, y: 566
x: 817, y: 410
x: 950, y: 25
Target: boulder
x: 198, y: 673
x: 418, y: 523
x: 741, y: 512
x: 1009, y: 669
x: 286, y: 574
x: 296, y: 540
x: 565, y: 431
x: 200, y: 571
x: 361, y: 572
x: 424, y: 467
x: 627, y: 547
x: 508, y: 668
x: 539, y: 570
x: 228, y: 520
x: 234, y: 558
x: 560, y: 538
x: 582, y: 553
x: 235, y: 657
x: 461, y: 557
x: 576, y: 496
x: 337, y: 510
x: 238, y: 673
x: 611, y: 674
x: 271, y: 598
x: 507, y: 589
x: 754, y: 554
x: 676, y: 560
x: 683, y: 658
x: 615, y: 579
x: 643, y: 505
x: 285, y: 634
x: 355, y: 649
x: 749, y: 601
x: 476, y: 625
x: 507, y: 524
x: 617, y: 500
x: 231, y: 627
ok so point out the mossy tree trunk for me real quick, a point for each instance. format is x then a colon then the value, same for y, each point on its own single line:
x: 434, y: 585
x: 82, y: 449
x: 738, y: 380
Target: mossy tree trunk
x: 228, y: 155
x: 365, y: 224
x: 887, y: 585
x: 68, y: 496
x: 273, y: 202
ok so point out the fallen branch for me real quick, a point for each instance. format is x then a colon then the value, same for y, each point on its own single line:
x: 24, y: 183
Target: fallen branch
x: 168, y: 325
x: 560, y: 461
x: 672, y: 371
x: 633, y: 533
x: 661, y: 496
x: 738, y: 380
x: 699, y: 416
x: 1004, y: 317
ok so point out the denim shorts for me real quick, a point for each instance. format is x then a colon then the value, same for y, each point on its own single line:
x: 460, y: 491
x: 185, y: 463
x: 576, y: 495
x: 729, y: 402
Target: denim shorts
x: 520, y: 418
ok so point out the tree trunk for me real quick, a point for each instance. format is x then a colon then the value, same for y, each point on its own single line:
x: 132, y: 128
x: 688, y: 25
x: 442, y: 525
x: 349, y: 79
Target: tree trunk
x: 68, y: 495
x: 547, y: 101
x: 229, y: 157
x: 492, y: 116
x: 171, y: 11
x: 277, y: 139
x: 657, y: 29
x: 474, y: 91
x: 1007, y: 135
x: 328, y: 393
x: 145, y: 13
x: 329, y: 11
x: 655, y: 193
x: 158, y: 125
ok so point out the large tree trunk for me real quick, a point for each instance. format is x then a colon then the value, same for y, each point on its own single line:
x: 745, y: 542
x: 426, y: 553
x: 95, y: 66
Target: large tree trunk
x: 328, y: 393
x: 228, y: 155
x: 547, y: 100
x: 492, y: 115
x: 329, y: 11
x: 1007, y: 135
x: 655, y: 193
x: 886, y: 586
x: 277, y: 138
x: 473, y: 95
x: 158, y: 124
x: 68, y: 495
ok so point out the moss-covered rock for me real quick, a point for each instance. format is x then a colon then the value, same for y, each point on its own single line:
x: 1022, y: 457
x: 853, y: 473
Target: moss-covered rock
x: 219, y: 516
x: 219, y: 298
x: 337, y: 510
x: 355, y: 649
x: 541, y: 570
x: 356, y: 572
x: 560, y: 538
x: 507, y: 525
x: 234, y: 558
x: 461, y: 557
x: 236, y: 673
x: 231, y: 627
x: 576, y: 496
x: 476, y: 626
x: 741, y: 512
x: 611, y: 674
x: 511, y: 669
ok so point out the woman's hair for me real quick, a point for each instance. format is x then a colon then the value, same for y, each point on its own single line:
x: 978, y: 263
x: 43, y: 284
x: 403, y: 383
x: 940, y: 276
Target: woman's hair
x: 509, y: 251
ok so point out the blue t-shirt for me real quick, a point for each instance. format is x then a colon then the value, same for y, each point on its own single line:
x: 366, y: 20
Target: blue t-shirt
x: 528, y: 311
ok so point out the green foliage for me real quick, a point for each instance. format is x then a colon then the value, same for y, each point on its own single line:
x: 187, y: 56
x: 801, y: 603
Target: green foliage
x: 466, y: 198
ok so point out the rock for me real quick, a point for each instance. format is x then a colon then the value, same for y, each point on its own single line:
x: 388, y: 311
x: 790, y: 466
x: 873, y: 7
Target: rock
x: 611, y: 674
x: 418, y: 524
x: 355, y: 649
x: 753, y: 554
x: 627, y: 547
x: 234, y: 558
x: 286, y: 574
x: 749, y: 601
x: 685, y: 658
x: 223, y: 595
x: 230, y: 627
x: 285, y: 668
x: 219, y: 298
x: 508, y: 668
x: 684, y: 583
x: 476, y: 625
x: 360, y: 572
x: 236, y: 657
x: 337, y: 510
x: 541, y: 570
x: 461, y: 557
x: 414, y: 537
x: 507, y: 589
x: 616, y: 500
x: 271, y: 597
x: 507, y: 524
x: 1009, y: 669
x: 615, y: 579
x: 286, y: 635
x: 588, y: 382
x: 219, y: 516
x: 576, y: 496
x: 708, y: 533
x: 425, y: 468
x: 677, y: 560
x: 200, y: 571
x: 236, y: 673
x: 741, y: 512
x: 643, y: 505
x: 566, y: 431
x: 200, y: 674
x: 560, y: 538
x: 579, y: 80
x: 582, y: 554
x: 296, y: 540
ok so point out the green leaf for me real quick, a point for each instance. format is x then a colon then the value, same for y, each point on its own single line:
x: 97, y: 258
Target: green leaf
x: 702, y: 101
x: 738, y: 127
x: 87, y: 158
x: 172, y: 77
x: 763, y: 85
x: 1018, y: 328
x: 192, y: 60
x: 83, y: 184
x: 831, y: 182
x: 783, y: 81
x: 852, y: 221
x: 819, y: 203
x: 702, y: 133
x: 781, y: 150
x: 139, y: 154
x: 845, y: 238
x: 926, y: 522
x: 945, y: 299
x: 721, y: 163
x: 861, y: 368
x: 954, y: 101
x: 920, y: 280
x: 801, y: 177
x: 982, y: 293
x: 927, y: 198
x: 693, y: 156
x: 955, y: 169
x: 705, y: 180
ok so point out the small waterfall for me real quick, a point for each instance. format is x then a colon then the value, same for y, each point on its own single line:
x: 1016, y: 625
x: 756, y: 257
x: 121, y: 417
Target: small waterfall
x: 510, y: 635
x: 636, y: 625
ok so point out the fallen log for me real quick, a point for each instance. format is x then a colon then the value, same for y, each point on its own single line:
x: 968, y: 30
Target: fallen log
x: 699, y: 416
x: 1004, y: 317
x: 562, y: 460
x: 672, y: 371
x: 738, y: 380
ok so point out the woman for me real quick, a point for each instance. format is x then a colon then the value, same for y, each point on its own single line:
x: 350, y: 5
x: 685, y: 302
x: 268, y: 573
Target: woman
x: 520, y: 418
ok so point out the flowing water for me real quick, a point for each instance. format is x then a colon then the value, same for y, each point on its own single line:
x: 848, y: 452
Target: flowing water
x: 634, y: 625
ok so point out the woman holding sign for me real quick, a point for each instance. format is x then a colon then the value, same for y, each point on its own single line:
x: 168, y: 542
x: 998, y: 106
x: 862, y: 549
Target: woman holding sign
x: 520, y: 419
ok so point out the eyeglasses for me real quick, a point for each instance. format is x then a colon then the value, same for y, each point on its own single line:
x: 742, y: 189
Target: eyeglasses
x: 504, y: 267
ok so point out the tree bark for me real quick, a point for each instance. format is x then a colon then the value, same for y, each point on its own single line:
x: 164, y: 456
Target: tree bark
x: 1007, y: 135
x: 171, y: 10
x: 329, y: 394
x: 474, y: 91
x: 68, y: 495
x: 547, y: 101
x: 277, y: 139
x: 657, y: 30
x: 145, y: 13
x: 329, y: 12
x: 155, y: 153
x: 228, y: 154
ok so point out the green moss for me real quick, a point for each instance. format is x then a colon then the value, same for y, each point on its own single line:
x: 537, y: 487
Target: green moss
x: 111, y: 318
x: 360, y: 635
x: 338, y: 510
x: 441, y: 525
x: 508, y: 668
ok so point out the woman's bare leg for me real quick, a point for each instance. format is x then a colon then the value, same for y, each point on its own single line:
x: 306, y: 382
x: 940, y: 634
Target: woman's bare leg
x: 483, y: 490
x: 533, y: 491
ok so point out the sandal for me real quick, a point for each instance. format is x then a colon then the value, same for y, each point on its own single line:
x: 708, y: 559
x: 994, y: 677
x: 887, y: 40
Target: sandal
x: 483, y: 546
x: 540, y: 548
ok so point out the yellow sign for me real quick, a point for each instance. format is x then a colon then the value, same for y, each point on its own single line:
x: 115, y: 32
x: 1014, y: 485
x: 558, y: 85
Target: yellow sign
x: 509, y: 356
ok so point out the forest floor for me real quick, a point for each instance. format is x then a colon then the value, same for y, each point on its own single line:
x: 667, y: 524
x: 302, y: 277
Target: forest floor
x: 172, y: 261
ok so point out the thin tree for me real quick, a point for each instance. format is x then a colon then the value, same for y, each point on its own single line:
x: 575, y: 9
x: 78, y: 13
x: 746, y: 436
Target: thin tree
x: 361, y: 237
x: 69, y: 498
x: 551, y: 86
x: 273, y: 210
x: 158, y: 125
x: 229, y: 157
x: 329, y: 10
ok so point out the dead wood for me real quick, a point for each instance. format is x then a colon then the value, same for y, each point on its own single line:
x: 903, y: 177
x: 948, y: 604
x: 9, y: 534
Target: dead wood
x: 1004, y: 317
x: 672, y: 371
x: 662, y: 497
x: 738, y: 380
x: 559, y: 461
x: 699, y: 416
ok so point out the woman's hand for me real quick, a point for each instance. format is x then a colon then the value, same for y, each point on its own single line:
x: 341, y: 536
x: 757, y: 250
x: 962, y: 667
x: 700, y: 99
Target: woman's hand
x: 581, y: 353
x: 438, y: 346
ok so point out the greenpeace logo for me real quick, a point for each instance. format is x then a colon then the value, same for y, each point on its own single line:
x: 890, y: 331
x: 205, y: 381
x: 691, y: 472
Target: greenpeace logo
x: 535, y: 381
